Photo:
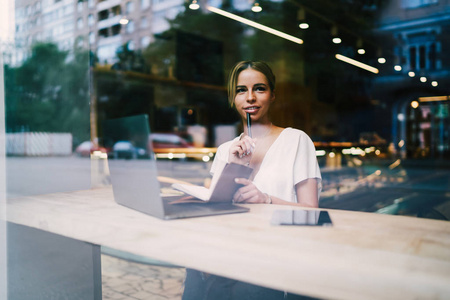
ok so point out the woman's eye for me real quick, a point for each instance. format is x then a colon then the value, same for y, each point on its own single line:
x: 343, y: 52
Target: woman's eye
x: 260, y: 89
x: 240, y: 90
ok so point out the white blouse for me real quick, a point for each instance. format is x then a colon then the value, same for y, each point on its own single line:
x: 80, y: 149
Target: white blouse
x: 289, y: 160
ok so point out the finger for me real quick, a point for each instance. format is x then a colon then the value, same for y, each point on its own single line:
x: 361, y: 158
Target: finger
x: 249, y: 145
x: 246, y: 147
x: 250, y: 140
x: 238, y: 151
x: 254, y: 199
x: 250, y: 197
x: 237, y: 198
x: 243, y: 181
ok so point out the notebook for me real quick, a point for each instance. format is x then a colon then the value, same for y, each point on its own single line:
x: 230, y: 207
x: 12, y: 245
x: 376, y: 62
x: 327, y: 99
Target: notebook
x: 222, y: 187
x: 134, y: 178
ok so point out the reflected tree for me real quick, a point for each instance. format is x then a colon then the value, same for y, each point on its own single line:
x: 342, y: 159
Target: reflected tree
x: 49, y: 92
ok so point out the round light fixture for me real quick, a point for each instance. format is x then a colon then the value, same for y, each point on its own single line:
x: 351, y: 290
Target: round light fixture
x: 194, y: 5
x: 303, y: 25
x: 256, y: 7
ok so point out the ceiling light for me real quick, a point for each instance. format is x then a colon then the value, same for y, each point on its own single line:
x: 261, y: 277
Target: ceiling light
x: 256, y: 7
x: 337, y: 40
x: 194, y: 5
x: 434, y: 83
x: 411, y: 74
x: 397, y: 68
x: 423, y: 79
x: 381, y: 60
x: 255, y: 25
x: 359, y: 46
x: 124, y: 21
x: 303, y: 25
x: 357, y: 63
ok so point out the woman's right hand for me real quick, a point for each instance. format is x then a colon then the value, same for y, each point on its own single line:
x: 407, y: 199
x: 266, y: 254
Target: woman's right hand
x: 241, y: 151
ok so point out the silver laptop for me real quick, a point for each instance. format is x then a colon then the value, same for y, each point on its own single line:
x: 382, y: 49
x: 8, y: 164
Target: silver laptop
x: 133, y: 172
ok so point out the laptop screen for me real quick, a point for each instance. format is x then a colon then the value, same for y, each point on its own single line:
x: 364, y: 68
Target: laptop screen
x: 131, y: 163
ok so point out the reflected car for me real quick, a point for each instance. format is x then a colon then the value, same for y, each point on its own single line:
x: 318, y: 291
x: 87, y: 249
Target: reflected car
x: 125, y: 149
x: 168, y: 140
x: 173, y: 146
x: 86, y: 148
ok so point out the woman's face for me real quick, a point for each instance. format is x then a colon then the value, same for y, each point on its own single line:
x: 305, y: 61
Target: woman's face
x: 253, y: 95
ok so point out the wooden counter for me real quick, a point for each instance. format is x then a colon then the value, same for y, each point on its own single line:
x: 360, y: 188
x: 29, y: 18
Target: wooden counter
x: 363, y: 256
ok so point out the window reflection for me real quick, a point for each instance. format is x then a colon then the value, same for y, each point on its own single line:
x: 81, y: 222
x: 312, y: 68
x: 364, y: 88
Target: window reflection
x: 162, y: 59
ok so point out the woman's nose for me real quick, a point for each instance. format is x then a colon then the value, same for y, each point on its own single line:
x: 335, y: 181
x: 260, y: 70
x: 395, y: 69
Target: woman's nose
x: 251, y: 96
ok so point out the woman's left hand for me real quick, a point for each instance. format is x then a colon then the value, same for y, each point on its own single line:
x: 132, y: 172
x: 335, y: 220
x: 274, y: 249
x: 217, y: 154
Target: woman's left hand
x: 249, y: 193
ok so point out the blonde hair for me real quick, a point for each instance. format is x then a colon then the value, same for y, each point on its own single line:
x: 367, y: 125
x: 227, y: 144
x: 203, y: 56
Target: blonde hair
x: 243, y: 65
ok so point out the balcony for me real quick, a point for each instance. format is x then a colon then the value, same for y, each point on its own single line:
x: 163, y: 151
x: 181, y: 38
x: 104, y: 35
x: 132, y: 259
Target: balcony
x: 107, y: 4
x: 108, y: 22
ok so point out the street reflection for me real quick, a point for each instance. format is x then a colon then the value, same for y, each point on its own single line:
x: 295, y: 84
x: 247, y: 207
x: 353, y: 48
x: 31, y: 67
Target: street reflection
x: 382, y: 138
x: 379, y: 185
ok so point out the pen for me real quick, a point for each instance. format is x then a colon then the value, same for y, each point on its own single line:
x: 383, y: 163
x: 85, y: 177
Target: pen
x: 249, y: 125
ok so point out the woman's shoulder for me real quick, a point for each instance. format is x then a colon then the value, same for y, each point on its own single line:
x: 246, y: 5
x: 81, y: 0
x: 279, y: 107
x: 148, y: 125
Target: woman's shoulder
x: 293, y: 132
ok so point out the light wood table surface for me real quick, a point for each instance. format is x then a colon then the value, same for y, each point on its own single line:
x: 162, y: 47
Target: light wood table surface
x: 363, y: 256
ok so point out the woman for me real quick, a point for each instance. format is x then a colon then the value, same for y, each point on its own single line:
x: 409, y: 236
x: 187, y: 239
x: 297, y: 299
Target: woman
x: 283, y: 159
x: 285, y: 171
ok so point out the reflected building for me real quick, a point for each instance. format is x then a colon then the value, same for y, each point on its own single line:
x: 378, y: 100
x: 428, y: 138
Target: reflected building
x: 416, y: 81
x: 101, y: 26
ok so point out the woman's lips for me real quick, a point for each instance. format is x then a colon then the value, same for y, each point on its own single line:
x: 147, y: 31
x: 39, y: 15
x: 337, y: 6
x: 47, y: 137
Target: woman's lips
x: 251, y: 109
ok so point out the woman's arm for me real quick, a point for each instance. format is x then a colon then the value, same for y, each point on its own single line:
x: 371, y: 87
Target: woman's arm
x: 306, y: 194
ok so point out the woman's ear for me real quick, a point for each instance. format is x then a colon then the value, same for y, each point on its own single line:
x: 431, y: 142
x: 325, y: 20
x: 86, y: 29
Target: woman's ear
x: 272, y: 99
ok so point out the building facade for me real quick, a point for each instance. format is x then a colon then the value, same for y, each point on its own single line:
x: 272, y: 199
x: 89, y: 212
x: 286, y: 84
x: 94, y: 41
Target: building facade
x: 416, y: 86
x: 101, y: 26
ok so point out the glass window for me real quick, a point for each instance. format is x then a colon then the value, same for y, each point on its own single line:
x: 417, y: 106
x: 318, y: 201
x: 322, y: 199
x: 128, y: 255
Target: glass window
x: 130, y: 26
x: 80, y: 42
x: 91, y: 38
x: 68, y: 9
x: 116, y: 10
x: 68, y: 26
x: 103, y: 15
x: 422, y: 57
x: 129, y: 7
x: 91, y: 19
x: 103, y: 32
x: 145, y: 41
x: 80, y: 23
x: 144, y: 22
x: 115, y: 29
x: 432, y: 56
x: 412, y: 58
x: 376, y: 140
x: 145, y: 4
x: 80, y: 6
